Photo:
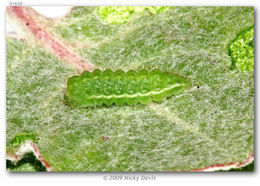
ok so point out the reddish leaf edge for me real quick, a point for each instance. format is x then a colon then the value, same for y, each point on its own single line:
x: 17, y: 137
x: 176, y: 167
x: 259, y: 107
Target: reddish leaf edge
x: 224, y: 167
x: 29, y: 146
x: 25, y: 148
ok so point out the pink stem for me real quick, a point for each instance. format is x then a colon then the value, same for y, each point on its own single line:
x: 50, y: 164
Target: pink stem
x: 30, y: 19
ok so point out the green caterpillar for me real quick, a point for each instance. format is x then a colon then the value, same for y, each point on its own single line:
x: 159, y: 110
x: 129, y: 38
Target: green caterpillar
x: 97, y: 88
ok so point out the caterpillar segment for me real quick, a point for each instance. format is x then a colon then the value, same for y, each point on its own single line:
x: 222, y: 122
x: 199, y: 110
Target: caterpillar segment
x: 122, y: 88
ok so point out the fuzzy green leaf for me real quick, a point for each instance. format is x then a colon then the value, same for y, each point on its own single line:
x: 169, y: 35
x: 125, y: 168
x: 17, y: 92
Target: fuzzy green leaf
x: 210, y: 123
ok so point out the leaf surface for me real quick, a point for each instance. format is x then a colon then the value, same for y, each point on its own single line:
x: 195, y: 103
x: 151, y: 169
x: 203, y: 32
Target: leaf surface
x: 211, y: 123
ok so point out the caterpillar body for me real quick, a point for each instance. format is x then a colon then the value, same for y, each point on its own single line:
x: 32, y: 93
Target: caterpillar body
x: 97, y: 88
